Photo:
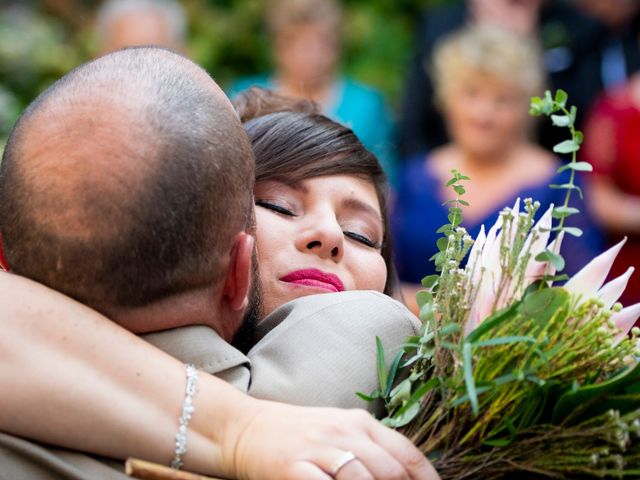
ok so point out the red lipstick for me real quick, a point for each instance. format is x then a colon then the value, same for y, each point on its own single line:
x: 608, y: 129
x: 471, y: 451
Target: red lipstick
x: 315, y: 278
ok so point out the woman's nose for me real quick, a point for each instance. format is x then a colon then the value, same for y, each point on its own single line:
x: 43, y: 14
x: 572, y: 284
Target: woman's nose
x: 322, y: 237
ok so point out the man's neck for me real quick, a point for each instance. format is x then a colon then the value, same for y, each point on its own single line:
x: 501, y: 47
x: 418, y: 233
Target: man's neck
x: 194, y: 307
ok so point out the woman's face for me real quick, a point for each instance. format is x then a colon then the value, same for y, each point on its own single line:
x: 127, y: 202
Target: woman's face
x: 485, y: 115
x: 322, y: 235
x: 307, y: 52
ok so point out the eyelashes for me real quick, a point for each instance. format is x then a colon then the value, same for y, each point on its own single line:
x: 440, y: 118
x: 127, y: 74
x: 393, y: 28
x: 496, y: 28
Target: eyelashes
x: 362, y: 239
x: 275, y: 208
x: 357, y: 237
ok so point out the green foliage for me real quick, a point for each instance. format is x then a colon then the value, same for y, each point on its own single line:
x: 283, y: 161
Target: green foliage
x: 227, y: 37
x: 543, y: 383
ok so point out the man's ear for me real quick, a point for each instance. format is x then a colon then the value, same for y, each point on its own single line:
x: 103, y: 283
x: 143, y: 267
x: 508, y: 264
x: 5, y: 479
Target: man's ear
x: 238, y: 282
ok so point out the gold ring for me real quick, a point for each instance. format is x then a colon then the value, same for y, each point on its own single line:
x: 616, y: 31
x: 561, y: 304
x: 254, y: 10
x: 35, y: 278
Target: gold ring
x: 346, y: 457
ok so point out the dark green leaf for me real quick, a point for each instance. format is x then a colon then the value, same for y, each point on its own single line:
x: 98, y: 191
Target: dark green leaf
x: 381, y: 365
x: 543, y: 305
x: 463, y: 202
x: 593, y: 394
x: 492, y: 322
x: 500, y: 442
x: 369, y: 398
x: 451, y: 182
x: 459, y: 189
x: 568, y: 146
x: 504, y: 340
x: 579, y: 137
x: 393, y: 371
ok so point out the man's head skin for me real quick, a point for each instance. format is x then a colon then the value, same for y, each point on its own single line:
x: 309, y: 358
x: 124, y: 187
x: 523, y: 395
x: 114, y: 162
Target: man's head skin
x: 127, y: 186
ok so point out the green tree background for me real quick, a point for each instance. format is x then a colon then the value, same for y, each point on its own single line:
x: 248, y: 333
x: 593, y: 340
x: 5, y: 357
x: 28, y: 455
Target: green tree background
x: 42, y: 40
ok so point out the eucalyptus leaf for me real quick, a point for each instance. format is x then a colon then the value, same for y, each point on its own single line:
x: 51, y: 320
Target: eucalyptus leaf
x: 561, y: 120
x: 562, y: 212
x: 412, y: 406
x: 566, y: 186
x: 575, y: 231
x: 567, y: 146
x: 430, y: 281
x: 553, y: 258
x: 577, y: 166
x: 561, y: 97
x: 423, y: 298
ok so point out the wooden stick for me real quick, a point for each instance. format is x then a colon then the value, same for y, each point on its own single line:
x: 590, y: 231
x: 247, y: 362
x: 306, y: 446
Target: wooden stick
x: 144, y: 470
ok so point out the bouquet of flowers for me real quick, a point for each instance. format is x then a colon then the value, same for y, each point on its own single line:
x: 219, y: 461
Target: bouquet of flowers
x: 512, y: 374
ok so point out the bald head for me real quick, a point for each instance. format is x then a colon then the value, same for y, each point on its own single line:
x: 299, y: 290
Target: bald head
x: 126, y: 181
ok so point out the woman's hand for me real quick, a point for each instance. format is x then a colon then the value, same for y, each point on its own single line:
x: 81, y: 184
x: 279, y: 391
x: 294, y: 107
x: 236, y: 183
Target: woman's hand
x: 275, y: 441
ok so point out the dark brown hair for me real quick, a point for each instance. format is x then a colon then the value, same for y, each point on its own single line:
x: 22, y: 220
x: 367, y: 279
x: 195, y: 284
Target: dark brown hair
x: 292, y: 143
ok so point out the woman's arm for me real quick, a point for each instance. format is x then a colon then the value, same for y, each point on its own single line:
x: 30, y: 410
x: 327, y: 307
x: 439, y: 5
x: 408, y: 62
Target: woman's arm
x: 72, y: 378
x: 614, y: 209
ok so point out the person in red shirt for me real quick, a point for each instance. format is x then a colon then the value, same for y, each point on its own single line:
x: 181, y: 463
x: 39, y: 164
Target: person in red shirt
x: 612, y: 145
x: 3, y: 262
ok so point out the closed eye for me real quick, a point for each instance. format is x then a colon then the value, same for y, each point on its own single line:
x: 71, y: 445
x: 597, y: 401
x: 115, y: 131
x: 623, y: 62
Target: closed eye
x: 275, y: 208
x: 362, y: 239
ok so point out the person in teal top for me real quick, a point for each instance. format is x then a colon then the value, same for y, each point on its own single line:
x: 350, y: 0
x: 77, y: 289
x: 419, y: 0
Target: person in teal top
x: 306, y: 51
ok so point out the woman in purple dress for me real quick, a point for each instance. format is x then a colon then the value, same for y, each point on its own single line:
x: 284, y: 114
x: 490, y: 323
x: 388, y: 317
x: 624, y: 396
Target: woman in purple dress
x: 484, y: 79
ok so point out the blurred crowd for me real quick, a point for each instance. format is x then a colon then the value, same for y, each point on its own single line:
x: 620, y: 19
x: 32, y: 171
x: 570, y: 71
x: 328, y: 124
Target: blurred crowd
x: 464, y: 106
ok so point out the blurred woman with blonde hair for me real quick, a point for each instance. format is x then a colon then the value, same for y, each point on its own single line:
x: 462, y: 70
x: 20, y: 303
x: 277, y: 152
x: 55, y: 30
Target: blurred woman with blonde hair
x: 484, y: 78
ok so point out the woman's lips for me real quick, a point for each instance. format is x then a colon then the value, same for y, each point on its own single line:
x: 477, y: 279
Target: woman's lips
x: 312, y: 277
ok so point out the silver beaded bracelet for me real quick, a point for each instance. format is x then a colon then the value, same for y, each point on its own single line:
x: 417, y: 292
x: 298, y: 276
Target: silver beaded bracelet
x: 187, y: 411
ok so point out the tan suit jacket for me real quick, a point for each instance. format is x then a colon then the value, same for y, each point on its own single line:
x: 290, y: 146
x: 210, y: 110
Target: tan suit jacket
x: 317, y: 350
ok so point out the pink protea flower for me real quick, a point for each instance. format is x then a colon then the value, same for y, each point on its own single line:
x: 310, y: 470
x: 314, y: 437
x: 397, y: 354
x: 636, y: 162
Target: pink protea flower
x: 485, y: 270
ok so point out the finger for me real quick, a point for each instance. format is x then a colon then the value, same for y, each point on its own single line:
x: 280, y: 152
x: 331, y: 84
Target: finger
x: 354, y: 470
x: 306, y: 470
x: 378, y: 462
x: 404, y: 452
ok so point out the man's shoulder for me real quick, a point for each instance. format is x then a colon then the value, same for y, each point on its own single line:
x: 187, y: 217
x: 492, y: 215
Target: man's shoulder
x: 340, y: 308
x: 319, y: 350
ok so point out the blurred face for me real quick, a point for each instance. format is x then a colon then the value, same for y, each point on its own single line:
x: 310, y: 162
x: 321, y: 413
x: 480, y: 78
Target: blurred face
x: 138, y: 28
x: 322, y: 235
x: 307, y: 52
x: 485, y: 115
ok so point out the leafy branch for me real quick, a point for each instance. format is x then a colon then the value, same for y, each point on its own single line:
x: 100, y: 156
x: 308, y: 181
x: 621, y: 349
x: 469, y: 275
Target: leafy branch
x: 561, y: 116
